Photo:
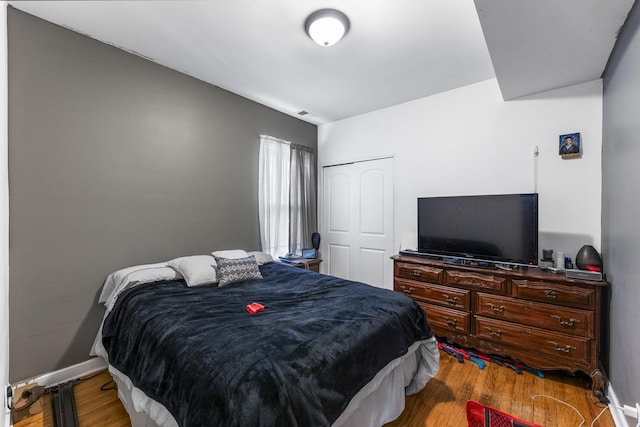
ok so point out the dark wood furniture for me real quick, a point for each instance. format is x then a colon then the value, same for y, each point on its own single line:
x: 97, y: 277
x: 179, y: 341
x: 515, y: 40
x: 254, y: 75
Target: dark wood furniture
x: 312, y: 264
x: 546, y: 320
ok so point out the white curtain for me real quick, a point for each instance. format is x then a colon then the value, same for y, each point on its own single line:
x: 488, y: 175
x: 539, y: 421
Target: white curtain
x: 286, y: 196
x: 273, y: 194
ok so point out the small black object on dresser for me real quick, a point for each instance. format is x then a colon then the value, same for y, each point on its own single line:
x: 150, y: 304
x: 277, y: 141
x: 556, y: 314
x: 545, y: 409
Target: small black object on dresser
x: 588, y: 258
x: 315, y: 240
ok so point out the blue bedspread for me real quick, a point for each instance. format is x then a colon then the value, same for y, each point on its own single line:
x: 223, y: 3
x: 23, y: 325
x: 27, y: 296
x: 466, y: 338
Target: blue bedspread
x: 319, y: 340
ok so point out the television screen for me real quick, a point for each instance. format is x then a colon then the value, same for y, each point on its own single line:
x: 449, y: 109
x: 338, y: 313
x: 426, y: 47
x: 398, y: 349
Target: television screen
x: 500, y: 228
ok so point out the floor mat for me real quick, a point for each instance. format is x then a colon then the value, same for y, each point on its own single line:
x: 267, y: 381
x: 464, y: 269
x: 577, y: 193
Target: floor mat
x: 479, y: 415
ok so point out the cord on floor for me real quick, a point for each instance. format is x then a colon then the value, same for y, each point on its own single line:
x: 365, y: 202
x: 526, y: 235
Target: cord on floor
x: 90, y: 376
x: 103, y: 387
x: 533, y: 396
x: 106, y: 387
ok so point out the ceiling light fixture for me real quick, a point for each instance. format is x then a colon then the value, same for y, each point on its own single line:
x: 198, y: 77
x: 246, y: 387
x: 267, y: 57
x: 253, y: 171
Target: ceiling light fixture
x: 326, y: 26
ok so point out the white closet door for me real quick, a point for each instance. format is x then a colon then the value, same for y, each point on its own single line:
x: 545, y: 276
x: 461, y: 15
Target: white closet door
x: 357, y: 216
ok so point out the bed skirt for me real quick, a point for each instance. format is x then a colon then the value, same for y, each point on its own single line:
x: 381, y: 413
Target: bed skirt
x: 378, y: 402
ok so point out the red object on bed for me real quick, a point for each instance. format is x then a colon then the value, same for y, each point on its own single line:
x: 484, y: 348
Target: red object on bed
x: 479, y: 415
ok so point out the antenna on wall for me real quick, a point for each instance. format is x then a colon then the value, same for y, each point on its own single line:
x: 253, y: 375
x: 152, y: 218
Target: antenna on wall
x: 536, y: 155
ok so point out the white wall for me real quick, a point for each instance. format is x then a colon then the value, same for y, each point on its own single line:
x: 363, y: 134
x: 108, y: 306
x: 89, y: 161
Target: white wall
x: 469, y: 141
x: 4, y: 218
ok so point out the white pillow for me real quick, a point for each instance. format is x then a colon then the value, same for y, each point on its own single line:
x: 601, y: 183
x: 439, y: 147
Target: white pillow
x: 231, y: 254
x: 196, y: 269
x: 138, y: 273
x: 261, y: 257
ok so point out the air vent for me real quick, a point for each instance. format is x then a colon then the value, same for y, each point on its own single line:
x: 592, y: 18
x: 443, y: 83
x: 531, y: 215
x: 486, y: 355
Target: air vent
x: 303, y: 113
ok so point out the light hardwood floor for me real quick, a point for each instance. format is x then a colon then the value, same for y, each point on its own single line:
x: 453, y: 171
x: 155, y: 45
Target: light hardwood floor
x: 442, y: 401
x: 440, y: 404
x: 95, y: 408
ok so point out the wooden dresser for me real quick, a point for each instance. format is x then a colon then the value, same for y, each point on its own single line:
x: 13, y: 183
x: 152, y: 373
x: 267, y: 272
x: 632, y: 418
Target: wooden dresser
x: 546, y: 320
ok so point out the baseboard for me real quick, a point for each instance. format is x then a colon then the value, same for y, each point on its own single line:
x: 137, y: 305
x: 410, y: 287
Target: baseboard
x: 619, y: 419
x: 66, y: 374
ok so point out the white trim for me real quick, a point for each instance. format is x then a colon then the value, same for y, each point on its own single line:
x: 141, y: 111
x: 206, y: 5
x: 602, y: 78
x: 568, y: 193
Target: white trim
x: 322, y: 225
x: 320, y: 198
x: 4, y: 217
x: 357, y: 160
x: 614, y: 406
x: 66, y: 374
x: 5, y: 417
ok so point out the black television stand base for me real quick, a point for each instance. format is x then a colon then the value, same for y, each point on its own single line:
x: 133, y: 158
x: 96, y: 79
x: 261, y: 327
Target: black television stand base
x: 471, y: 263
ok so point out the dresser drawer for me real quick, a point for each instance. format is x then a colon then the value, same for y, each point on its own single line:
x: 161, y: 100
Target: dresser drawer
x: 552, y: 344
x: 483, y: 282
x: 435, y: 294
x: 422, y: 273
x: 547, y: 316
x: 445, y: 319
x: 555, y: 293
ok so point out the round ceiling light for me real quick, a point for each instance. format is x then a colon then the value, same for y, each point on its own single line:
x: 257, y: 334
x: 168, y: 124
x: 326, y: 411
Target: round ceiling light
x: 326, y: 26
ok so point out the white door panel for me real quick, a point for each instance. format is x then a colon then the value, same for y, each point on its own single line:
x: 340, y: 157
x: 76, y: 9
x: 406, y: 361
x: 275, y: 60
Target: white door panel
x: 372, y: 263
x: 338, y: 198
x: 372, y: 200
x: 338, y: 260
x: 357, y: 216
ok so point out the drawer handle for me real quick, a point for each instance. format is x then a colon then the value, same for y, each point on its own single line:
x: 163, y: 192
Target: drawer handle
x: 496, y: 309
x: 550, y: 293
x: 494, y: 333
x: 563, y: 322
x: 449, y: 300
x: 406, y: 290
x: 471, y: 282
x: 451, y: 322
x: 565, y: 349
x: 417, y: 273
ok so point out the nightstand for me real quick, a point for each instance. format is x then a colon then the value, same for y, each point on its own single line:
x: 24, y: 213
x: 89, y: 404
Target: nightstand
x: 312, y: 264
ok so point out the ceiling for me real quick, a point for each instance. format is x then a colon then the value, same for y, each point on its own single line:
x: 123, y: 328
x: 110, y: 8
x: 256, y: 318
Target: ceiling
x: 394, y: 52
x: 546, y: 44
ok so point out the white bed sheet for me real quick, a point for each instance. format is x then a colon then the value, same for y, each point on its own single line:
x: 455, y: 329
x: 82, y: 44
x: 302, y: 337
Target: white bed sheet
x: 379, y: 402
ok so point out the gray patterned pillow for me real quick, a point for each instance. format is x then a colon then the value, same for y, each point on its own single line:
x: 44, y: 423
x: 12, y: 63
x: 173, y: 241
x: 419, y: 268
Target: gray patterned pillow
x: 237, y: 270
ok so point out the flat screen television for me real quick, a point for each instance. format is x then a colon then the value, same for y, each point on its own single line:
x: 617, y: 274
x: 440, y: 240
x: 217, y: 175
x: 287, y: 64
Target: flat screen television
x: 494, y: 228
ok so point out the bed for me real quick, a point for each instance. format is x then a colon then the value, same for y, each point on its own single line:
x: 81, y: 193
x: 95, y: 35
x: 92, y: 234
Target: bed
x: 323, y: 352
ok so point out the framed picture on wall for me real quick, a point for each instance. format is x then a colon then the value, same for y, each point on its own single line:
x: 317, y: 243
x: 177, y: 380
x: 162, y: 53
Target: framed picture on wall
x: 569, y: 147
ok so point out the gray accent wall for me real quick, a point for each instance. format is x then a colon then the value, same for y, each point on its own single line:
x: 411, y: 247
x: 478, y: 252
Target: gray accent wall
x: 115, y: 161
x: 621, y: 207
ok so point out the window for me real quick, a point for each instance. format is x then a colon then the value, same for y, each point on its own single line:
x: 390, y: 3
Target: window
x: 286, y: 196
